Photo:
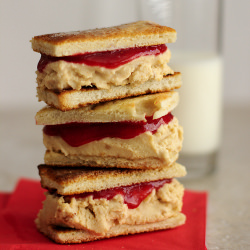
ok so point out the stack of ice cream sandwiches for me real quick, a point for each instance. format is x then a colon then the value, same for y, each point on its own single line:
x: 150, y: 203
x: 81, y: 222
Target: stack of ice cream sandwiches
x: 111, y: 140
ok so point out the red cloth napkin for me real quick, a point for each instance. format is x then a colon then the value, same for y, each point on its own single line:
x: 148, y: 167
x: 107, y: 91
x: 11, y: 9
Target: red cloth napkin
x: 19, y: 209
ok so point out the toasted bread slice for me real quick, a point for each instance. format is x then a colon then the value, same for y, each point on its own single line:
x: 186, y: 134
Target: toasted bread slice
x: 141, y: 33
x: 69, y: 181
x: 128, y: 109
x: 73, y: 99
x: 68, y: 235
x: 59, y: 159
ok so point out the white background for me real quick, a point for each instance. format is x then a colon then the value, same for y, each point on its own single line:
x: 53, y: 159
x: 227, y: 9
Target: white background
x: 21, y: 20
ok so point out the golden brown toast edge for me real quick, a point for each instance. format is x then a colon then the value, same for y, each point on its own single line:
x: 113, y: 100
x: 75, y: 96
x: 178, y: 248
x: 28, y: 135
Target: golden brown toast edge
x: 110, y: 38
x: 68, y: 180
x: 63, y: 100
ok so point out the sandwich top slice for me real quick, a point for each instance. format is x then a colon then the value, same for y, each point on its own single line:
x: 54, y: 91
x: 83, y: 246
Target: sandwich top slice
x: 89, y: 204
x: 69, y: 181
x: 121, y: 59
x: 136, y: 34
x: 138, y: 132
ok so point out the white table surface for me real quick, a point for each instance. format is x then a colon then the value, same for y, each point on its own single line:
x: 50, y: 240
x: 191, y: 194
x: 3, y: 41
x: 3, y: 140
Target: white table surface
x: 228, y: 216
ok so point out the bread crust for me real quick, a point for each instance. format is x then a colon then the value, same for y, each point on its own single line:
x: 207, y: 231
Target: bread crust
x: 52, y: 158
x: 73, y: 99
x: 69, y: 180
x: 67, y: 235
x: 140, y: 33
x: 128, y: 109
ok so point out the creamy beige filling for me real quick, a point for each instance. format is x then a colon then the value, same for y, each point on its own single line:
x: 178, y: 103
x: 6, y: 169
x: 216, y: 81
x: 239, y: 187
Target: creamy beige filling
x: 62, y: 75
x: 165, y: 145
x: 99, y: 215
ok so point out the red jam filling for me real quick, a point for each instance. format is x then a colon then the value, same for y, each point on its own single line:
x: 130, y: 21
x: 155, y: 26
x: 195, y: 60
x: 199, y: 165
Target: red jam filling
x: 108, y: 59
x: 133, y: 195
x: 77, y: 134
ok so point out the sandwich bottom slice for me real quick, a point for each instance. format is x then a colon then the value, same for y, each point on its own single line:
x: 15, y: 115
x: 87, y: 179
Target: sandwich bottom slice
x: 142, y: 202
x: 65, y: 235
x: 73, y: 99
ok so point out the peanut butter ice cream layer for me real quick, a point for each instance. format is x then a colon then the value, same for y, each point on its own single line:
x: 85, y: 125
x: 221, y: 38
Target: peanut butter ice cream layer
x: 61, y: 75
x: 100, y: 215
x: 142, y: 151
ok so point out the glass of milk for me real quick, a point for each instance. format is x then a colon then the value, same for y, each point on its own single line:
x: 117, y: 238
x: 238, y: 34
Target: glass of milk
x: 197, y: 55
x: 199, y: 110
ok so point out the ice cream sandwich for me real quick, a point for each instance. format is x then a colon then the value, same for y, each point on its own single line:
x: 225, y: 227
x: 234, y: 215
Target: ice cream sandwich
x: 87, y: 67
x: 90, y: 204
x: 137, y: 132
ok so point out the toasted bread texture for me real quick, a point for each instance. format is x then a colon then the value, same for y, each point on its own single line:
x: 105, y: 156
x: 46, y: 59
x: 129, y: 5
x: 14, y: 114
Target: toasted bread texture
x: 67, y: 180
x: 73, y: 99
x: 141, y: 33
x: 58, y: 159
x: 64, y: 235
x: 128, y: 109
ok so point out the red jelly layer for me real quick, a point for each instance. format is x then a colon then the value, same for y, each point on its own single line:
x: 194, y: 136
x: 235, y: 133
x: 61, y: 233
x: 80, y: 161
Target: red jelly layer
x: 108, y: 59
x: 133, y: 195
x: 77, y: 134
